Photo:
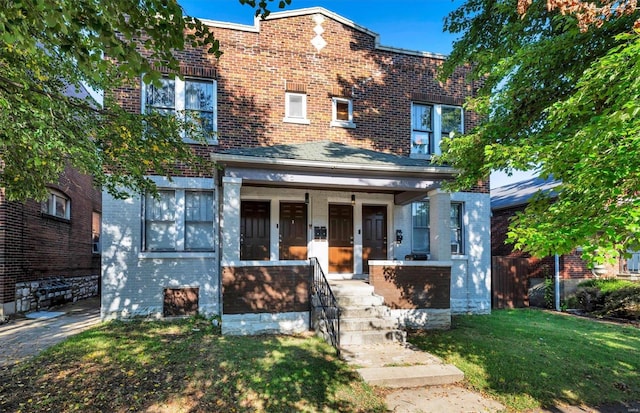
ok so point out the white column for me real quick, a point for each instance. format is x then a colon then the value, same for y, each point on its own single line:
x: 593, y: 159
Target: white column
x: 440, y: 225
x: 230, y: 219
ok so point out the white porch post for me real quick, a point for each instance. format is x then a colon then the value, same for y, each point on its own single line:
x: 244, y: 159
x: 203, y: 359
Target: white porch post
x: 440, y: 225
x: 230, y: 219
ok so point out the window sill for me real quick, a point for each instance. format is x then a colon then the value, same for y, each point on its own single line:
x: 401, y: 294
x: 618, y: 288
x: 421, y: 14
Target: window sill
x: 420, y: 156
x: 342, y: 124
x: 169, y: 255
x: 195, y: 142
x: 299, y: 121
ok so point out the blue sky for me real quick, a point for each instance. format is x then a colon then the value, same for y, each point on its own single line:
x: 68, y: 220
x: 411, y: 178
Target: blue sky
x: 413, y: 25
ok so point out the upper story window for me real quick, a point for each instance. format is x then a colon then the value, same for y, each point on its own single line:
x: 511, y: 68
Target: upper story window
x: 431, y: 123
x: 57, y: 204
x: 342, y: 113
x: 196, y: 99
x: 179, y: 220
x: 295, y: 108
x: 421, y: 228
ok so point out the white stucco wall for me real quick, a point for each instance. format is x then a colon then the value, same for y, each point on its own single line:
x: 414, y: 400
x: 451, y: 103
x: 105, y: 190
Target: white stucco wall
x: 471, y: 272
x: 133, y: 281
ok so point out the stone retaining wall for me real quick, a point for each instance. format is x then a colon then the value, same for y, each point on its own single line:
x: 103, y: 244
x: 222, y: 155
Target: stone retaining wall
x: 28, y: 297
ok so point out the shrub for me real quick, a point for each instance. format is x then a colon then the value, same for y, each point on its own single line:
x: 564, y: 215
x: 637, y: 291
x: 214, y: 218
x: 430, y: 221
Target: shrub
x: 589, y: 298
x: 623, y: 303
x: 607, y: 285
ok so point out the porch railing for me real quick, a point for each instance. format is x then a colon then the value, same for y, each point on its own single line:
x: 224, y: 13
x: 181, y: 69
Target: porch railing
x: 324, y: 306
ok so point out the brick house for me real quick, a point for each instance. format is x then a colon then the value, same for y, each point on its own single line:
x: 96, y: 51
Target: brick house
x: 49, y: 251
x: 323, y: 144
x: 517, y: 277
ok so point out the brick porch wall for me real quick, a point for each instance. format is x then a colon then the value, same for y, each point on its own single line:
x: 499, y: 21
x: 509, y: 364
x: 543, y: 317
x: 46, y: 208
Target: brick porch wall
x: 412, y: 287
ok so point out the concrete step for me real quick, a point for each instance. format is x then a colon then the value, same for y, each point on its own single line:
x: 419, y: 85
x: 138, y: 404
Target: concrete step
x: 380, y: 311
x: 370, y: 337
x: 411, y: 376
x: 351, y: 288
x: 367, y: 323
x: 359, y: 300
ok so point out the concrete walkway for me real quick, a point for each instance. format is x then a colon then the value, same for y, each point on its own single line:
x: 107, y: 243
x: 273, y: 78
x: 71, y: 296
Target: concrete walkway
x: 23, y: 337
x: 420, y: 381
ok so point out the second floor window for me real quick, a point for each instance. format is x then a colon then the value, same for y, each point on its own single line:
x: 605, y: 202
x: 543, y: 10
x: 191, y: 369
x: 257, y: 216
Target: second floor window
x: 295, y: 108
x: 431, y: 123
x: 342, y: 113
x: 57, y: 205
x: 193, y: 98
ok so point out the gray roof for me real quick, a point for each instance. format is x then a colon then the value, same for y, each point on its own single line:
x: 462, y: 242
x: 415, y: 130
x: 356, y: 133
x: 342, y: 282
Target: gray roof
x: 519, y: 193
x: 327, y: 151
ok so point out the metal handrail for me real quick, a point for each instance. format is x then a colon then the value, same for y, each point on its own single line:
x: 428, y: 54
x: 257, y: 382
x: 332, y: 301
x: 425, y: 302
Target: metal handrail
x: 326, y: 303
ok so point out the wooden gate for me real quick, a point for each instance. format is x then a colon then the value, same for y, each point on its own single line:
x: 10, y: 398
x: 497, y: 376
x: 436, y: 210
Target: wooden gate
x: 509, y: 282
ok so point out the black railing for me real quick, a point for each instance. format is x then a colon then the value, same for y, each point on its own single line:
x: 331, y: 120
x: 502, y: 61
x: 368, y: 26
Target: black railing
x: 325, y: 313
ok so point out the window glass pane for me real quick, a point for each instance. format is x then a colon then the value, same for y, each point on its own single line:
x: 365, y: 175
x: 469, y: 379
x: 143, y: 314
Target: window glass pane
x: 199, y: 95
x: 296, y: 109
x: 60, y: 207
x: 456, y: 228
x: 199, y: 220
x: 160, y: 225
x: 163, y: 98
x: 420, y: 213
x: 342, y: 110
x: 421, y: 117
x: 451, y: 120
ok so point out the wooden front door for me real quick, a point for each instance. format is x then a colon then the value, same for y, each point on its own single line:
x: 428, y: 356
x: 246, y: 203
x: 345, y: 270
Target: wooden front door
x: 340, y: 239
x: 254, y: 230
x: 293, y: 231
x: 374, y: 235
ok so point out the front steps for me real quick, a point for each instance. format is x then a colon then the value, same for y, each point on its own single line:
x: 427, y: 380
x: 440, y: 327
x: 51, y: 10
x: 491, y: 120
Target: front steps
x: 371, y: 340
x: 364, y: 319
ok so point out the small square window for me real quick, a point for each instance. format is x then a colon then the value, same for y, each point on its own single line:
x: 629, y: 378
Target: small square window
x: 295, y: 110
x: 342, y: 113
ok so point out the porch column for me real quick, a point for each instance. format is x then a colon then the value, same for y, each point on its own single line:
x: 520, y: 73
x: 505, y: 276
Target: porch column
x: 440, y: 225
x: 230, y: 219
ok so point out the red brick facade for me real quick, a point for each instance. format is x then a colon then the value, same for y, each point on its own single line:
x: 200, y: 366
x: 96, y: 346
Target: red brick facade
x: 265, y: 289
x: 259, y: 66
x: 412, y: 287
x: 35, y: 246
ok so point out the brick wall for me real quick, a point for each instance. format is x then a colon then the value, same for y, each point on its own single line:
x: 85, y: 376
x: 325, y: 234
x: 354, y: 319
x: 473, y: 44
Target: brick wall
x: 277, y: 289
x: 409, y: 287
x: 255, y: 68
x: 35, y: 246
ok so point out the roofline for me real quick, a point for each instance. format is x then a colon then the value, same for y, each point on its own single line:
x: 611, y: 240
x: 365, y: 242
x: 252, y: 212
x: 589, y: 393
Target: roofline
x: 320, y: 10
x: 220, y: 157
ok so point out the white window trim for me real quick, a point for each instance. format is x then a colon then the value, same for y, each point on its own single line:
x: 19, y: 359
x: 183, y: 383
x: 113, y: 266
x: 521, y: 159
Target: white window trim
x: 301, y: 120
x: 335, y: 122
x: 437, y: 127
x: 180, y: 103
x: 462, y: 244
x: 180, y: 218
x: 462, y: 230
x: 53, y: 194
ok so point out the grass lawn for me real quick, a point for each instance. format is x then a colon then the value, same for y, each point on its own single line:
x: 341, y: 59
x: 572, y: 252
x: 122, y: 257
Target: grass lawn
x: 184, y: 366
x: 529, y: 359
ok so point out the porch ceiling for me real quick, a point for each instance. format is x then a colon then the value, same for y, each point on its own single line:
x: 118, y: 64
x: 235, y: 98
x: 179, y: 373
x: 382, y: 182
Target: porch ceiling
x: 330, y: 165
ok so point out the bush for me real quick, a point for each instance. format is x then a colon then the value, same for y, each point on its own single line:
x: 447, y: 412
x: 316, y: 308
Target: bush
x: 623, y: 303
x: 607, y: 285
x: 589, y: 298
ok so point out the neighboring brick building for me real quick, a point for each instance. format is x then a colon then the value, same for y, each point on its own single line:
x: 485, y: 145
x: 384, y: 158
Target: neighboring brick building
x: 518, y: 278
x: 323, y: 143
x: 49, y: 251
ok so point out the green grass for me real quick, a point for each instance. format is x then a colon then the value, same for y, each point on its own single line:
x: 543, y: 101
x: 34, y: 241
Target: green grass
x: 184, y: 366
x: 529, y: 359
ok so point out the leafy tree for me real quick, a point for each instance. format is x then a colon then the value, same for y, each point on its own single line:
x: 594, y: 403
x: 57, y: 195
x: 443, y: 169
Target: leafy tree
x: 562, y: 98
x: 49, y: 49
